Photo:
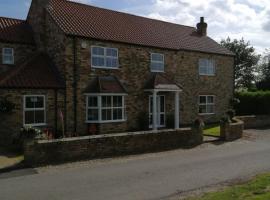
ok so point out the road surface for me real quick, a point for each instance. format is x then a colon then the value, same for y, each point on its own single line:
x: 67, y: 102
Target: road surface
x: 145, y: 177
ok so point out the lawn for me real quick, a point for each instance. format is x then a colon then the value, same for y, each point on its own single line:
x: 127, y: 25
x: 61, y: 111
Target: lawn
x: 256, y: 189
x: 212, y: 130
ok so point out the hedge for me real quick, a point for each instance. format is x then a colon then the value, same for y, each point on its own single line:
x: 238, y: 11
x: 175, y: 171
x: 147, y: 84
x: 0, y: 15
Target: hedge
x: 253, y: 103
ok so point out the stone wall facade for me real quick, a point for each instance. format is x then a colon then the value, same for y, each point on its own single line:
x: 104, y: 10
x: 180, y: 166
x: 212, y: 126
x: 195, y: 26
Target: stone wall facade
x: 11, y: 123
x: 134, y: 68
x: 101, y: 146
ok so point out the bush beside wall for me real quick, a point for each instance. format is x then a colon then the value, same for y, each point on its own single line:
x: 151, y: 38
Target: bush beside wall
x: 253, y: 103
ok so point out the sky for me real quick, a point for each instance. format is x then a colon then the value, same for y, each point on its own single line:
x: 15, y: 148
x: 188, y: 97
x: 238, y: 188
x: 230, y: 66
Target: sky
x: 249, y: 19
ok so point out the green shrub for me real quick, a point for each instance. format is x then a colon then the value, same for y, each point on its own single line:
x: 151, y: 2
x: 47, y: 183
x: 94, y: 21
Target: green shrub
x: 170, y: 120
x: 143, y: 121
x: 253, y: 103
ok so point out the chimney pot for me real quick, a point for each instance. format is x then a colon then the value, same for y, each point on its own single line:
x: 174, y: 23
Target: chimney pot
x: 202, y: 27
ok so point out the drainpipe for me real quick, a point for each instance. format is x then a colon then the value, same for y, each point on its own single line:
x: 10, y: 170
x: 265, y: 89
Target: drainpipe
x: 75, y: 84
x: 55, y: 110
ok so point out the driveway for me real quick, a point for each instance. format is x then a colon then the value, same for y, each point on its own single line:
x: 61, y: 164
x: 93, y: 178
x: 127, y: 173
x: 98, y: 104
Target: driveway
x: 157, y: 176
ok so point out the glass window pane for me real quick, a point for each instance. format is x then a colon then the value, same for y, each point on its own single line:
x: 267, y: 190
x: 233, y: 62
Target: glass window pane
x: 157, y: 57
x: 210, y: 109
x: 106, y: 114
x: 111, y: 52
x: 92, y: 101
x: 39, y: 102
x: 98, y: 51
x: 39, y: 117
x: 106, y: 101
x: 210, y: 99
x: 29, y: 102
x: 157, y: 66
x: 162, y: 106
x: 8, y: 51
x: 92, y: 114
x: 98, y: 61
x: 117, y: 114
x: 202, y: 109
x: 117, y: 101
x: 29, y: 117
x: 202, y: 99
x: 112, y: 62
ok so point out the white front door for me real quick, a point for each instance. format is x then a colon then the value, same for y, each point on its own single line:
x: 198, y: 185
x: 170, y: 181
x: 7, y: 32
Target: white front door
x: 160, y: 111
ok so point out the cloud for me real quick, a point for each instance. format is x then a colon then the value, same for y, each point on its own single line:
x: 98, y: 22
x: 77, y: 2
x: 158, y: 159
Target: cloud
x: 234, y: 18
x: 83, y: 1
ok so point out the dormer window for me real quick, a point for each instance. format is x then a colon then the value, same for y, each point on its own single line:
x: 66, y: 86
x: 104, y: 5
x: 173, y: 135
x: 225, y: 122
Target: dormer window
x: 207, y: 67
x: 8, y: 56
x: 157, y: 62
x: 104, y: 57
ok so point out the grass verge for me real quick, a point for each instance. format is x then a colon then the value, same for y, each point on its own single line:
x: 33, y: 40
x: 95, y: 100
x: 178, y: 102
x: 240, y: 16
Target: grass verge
x: 256, y: 189
x: 212, y: 130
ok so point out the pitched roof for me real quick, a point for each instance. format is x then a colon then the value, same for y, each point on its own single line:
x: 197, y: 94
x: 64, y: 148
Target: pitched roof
x: 160, y: 81
x: 37, y: 73
x: 98, y: 23
x: 15, y: 30
x: 105, y: 84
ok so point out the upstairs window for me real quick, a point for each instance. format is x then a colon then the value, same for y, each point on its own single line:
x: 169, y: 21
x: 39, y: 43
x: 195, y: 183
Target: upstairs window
x: 206, y: 104
x: 103, y: 57
x: 8, y: 56
x: 207, y: 67
x: 34, y: 110
x: 157, y: 62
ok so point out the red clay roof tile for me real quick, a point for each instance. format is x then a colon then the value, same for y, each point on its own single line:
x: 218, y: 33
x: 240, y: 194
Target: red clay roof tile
x: 98, y: 23
x: 15, y: 30
x: 37, y: 73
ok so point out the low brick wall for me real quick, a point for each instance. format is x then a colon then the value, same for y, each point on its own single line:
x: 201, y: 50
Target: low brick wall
x: 100, y: 146
x: 255, y: 121
x: 232, y: 131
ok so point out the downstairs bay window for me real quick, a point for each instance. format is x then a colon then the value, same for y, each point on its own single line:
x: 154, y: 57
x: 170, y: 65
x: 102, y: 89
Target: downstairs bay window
x: 105, y: 108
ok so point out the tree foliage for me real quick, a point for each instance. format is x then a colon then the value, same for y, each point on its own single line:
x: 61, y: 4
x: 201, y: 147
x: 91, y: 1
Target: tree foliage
x: 246, y: 60
x: 264, y: 72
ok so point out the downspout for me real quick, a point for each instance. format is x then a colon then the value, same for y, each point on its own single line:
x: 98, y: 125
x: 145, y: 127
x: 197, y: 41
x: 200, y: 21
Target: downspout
x: 75, y: 84
x: 55, y: 110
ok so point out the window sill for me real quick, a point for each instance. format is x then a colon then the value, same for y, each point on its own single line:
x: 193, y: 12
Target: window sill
x: 105, y: 122
x: 157, y: 71
x: 108, y: 68
x: 202, y: 114
x: 35, y: 125
x: 207, y: 75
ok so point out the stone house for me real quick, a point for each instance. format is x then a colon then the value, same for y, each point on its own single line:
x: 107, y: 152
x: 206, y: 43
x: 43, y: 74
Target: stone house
x: 102, y: 71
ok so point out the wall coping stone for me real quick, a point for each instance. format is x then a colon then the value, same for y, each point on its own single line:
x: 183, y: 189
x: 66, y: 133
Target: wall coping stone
x: 112, y: 135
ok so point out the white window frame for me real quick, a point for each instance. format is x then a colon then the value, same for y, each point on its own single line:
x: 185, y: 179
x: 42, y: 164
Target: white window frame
x: 100, y: 108
x: 104, y: 56
x: 207, y: 104
x: 5, y: 55
x: 34, y: 109
x: 207, y: 67
x: 159, y: 113
x: 153, y: 61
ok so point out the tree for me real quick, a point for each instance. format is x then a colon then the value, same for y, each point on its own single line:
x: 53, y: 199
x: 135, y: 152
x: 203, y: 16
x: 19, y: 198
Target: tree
x: 264, y: 72
x: 246, y: 61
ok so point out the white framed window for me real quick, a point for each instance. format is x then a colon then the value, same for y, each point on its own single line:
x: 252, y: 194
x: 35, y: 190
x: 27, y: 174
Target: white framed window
x: 34, y: 112
x: 105, y: 108
x: 8, y: 56
x: 206, y: 104
x: 157, y: 62
x: 207, y: 67
x: 104, y: 57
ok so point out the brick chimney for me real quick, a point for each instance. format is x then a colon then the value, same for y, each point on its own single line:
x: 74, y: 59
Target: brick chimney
x: 202, y: 27
x: 36, y: 18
